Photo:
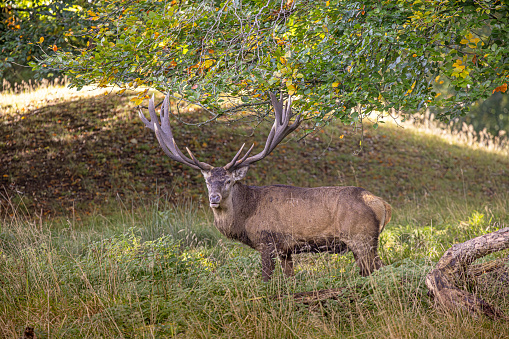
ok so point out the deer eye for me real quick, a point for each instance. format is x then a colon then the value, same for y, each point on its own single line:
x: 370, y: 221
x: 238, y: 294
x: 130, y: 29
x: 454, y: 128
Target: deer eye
x: 228, y: 181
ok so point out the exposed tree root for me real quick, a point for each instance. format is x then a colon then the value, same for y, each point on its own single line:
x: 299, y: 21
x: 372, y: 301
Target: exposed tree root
x: 443, y: 281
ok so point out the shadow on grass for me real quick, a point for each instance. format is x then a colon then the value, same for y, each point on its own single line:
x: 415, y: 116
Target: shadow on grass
x: 82, y: 155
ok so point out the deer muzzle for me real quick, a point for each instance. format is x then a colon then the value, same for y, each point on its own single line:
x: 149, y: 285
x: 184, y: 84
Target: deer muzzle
x: 214, y: 200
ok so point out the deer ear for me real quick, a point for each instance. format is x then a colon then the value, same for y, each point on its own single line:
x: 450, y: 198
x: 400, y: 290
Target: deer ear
x: 240, y: 173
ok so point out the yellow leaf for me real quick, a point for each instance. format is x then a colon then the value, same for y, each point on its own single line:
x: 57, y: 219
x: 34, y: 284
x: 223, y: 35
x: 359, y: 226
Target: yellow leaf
x: 464, y: 41
x: 327, y: 3
x: 121, y: 91
x: 137, y: 101
x: 475, y: 40
x: 41, y: 40
x: 208, y: 63
x: 437, y: 78
x: 283, y: 60
x: 291, y: 89
x: 336, y: 84
x: 458, y: 67
x: 341, y: 136
x: 437, y: 95
x: 55, y: 48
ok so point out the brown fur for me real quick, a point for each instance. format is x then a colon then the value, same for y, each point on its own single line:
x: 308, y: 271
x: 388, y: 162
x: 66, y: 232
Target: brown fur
x: 282, y: 220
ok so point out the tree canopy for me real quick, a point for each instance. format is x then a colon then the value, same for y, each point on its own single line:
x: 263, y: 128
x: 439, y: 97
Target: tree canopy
x: 24, y: 22
x: 332, y: 56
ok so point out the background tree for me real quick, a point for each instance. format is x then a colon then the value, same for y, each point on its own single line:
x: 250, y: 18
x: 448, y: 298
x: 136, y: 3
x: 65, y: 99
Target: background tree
x: 331, y: 55
x: 31, y: 28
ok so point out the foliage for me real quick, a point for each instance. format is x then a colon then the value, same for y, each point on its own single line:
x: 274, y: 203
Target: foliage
x: 492, y: 114
x: 331, y: 55
x: 32, y: 28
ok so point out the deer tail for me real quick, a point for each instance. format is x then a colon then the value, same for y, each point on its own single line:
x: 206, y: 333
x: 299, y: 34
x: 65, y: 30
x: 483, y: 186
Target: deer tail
x: 387, y: 218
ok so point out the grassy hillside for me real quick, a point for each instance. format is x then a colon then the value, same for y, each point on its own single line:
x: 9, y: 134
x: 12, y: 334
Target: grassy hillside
x: 103, y: 236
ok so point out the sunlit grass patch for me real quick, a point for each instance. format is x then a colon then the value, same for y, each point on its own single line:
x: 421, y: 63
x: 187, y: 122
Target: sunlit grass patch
x: 26, y: 97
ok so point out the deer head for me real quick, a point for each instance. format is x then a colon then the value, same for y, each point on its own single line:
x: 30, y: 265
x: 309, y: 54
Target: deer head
x: 220, y: 180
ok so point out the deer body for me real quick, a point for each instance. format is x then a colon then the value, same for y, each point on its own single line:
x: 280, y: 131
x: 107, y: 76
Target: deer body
x: 281, y: 220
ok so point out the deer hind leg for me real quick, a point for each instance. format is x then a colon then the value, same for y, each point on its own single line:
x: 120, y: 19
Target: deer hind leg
x: 366, y: 255
x: 287, y: 264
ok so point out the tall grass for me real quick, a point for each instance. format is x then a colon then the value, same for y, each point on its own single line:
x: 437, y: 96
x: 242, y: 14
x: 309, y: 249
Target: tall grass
x: 151, y: 273
x: 459, y: 134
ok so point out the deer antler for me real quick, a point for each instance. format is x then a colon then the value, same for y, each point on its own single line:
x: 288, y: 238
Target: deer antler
x: 165, y: 136
x: 279, y: 131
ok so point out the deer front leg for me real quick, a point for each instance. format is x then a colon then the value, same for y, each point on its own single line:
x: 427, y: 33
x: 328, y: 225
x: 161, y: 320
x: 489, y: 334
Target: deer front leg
x: 268, y: 256
x: 268, y: 250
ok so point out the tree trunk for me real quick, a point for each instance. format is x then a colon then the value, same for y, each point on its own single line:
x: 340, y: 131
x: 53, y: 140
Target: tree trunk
x: 453, y: 268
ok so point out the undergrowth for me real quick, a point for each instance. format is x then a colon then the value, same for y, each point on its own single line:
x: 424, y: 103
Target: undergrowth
x: 166, y: 272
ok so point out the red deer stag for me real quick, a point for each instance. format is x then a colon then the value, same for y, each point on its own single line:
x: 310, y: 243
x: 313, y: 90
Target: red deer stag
x: 282, y: 220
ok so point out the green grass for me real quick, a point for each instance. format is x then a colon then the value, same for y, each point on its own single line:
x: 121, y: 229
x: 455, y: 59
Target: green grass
x: 136, y: 263
x: 168, y: 273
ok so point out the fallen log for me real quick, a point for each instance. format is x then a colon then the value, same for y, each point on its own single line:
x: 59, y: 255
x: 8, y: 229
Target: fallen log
x: 453, y: 268
x: 315, y: 296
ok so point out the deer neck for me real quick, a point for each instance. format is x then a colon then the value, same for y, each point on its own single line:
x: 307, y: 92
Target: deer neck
x: 224, y: 216
x: 230, y: 217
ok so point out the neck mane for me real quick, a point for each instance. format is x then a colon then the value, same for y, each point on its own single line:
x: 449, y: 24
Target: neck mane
x: 230, y: 217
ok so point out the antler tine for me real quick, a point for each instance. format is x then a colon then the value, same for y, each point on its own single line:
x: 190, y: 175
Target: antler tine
x: 168, y: 152
x: 228, y: 165
x: 246, y: 155
x: 278, y: 132
x: 145, y: 120
x: 166, y: 129
x: 278, y: 108
x: 196, y: 161
x: 165, y: 137
x: 149, y: 124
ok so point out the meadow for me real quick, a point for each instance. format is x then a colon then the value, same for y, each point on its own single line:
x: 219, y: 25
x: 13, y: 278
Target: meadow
x: 102, y: 236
